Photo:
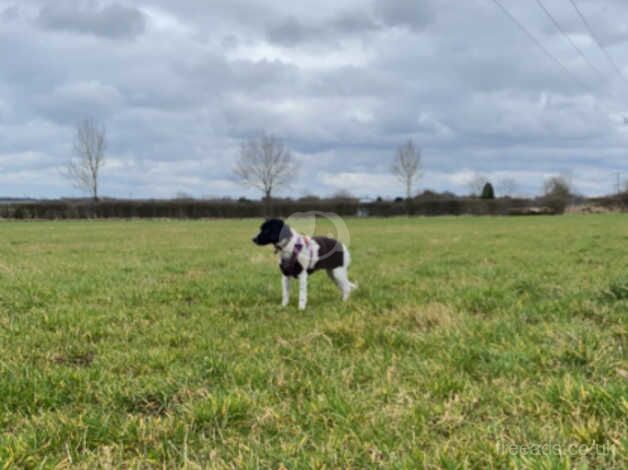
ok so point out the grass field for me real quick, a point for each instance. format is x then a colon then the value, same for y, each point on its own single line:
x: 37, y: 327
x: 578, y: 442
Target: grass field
x: 471, y: 343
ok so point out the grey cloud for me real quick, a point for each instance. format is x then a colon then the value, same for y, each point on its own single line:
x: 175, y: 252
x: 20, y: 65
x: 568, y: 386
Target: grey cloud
x: 25, y: 67
x: 230, y: 41
x: 354, y: 81
x: 26, y: 161
x: 114, y: 21
x: 291, y: 31
x: 69, y: 103
x: 10, y: 13
x: 212, y: 76
x: 414, y: 14
x: 354, y: 22
x: 35, y: 135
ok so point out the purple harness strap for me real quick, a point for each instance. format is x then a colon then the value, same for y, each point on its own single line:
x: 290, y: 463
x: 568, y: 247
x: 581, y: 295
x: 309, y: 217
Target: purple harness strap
x: 291, y: 266
x: 298, y: 247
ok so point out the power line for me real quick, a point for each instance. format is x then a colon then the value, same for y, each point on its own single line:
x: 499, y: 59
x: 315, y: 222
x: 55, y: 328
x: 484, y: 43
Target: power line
x: 537, y: 42
x: 594, y: 36
x: 551, y: 56
x: 567, y: 37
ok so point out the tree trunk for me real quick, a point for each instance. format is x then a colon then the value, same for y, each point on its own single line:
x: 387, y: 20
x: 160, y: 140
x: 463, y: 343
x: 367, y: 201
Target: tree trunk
x: 268, y: 203
x: 408, y: 195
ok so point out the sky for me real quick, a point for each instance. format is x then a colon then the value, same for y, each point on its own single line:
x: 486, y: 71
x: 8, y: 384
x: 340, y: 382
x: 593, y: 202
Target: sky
x: 180, y: 85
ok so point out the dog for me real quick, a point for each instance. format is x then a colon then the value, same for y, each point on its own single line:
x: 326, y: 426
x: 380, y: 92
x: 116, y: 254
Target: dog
x: 300, y: 256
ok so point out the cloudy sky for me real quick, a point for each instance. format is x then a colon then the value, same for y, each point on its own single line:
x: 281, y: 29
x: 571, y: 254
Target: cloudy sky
x: 179, y: 84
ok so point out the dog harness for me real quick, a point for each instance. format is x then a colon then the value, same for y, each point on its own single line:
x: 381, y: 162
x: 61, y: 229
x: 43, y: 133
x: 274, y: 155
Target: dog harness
x: 291, y: 266
x: 323, y: 253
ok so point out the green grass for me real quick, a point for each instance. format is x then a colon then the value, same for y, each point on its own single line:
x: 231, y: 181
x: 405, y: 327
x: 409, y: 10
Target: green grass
x: 162, y: 343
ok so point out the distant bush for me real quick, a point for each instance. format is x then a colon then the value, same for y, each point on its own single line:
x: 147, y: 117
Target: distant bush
x: 616, y: 201
x: 344, y: 195
x: 426, y: 204
x: 176, y: 208
x: 557, y: 186
x: 434, y: 195
x: 557, y: 193
x: 488, y: 192
x: 309, y: 198
x: 432, y: 207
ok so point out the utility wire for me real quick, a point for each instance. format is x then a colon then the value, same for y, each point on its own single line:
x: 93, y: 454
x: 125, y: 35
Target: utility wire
x: 537, y: 42
x: 551, y: 56
x: 597, y: 41
x: 567, y: 37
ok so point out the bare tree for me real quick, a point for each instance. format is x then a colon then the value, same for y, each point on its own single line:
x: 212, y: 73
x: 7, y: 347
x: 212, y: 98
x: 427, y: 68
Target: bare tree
x: 557, y: 186
x: 407, y: 166
x: 507, y: 186
x: 265, y: 164
x: 90, y: 144
x: 476, y: 184
x: 557, y: 192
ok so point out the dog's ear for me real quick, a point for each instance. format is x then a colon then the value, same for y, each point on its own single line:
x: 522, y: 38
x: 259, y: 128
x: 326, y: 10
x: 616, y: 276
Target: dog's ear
x: 285, y: 231
x: 268, y: 224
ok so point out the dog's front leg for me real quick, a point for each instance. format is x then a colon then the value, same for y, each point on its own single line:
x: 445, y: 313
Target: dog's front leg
x: 302, y: 290
x: 285, y: 290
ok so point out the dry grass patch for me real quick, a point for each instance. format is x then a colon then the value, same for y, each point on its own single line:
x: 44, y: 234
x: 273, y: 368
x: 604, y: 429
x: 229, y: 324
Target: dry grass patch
x: 425, y: 317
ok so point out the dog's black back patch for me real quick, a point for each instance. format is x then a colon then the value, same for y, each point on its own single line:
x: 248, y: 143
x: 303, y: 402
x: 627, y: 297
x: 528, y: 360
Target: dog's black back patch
x: 330, y: 253
x: 330, y: 256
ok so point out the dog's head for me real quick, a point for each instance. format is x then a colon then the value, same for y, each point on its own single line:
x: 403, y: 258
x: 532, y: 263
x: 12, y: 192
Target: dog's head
x: 272, y: 231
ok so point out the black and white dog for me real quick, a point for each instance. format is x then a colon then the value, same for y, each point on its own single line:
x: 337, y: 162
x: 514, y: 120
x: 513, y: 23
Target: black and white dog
x: 300, y: 255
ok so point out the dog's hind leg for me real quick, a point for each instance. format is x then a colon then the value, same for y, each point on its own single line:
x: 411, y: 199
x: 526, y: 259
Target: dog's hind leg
x: 346, y: 286
x: 330, y: 273
x: 342, y: 281
x: 347, y: 262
